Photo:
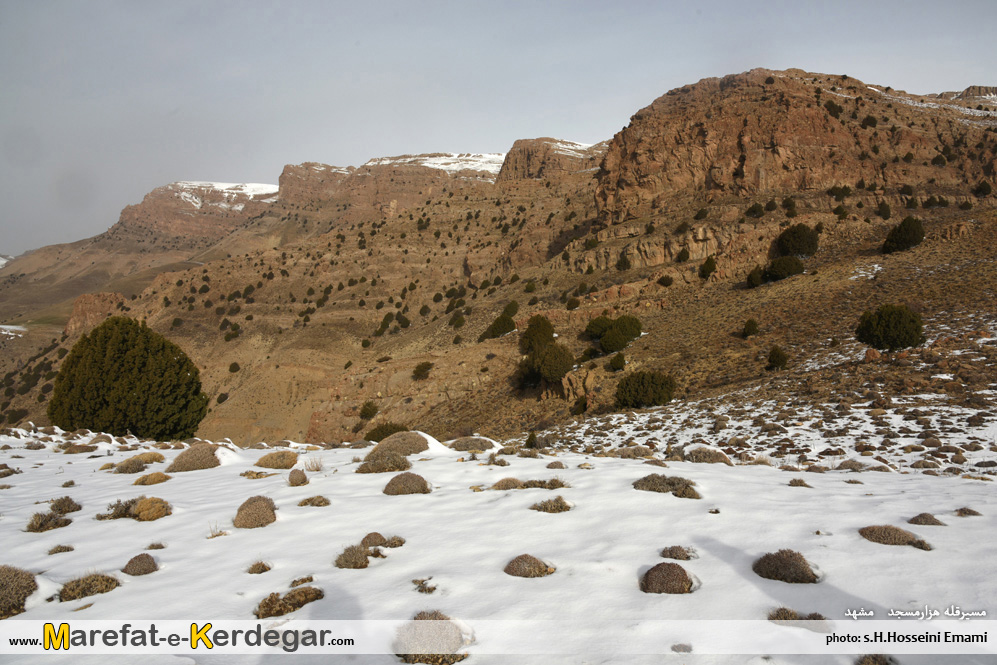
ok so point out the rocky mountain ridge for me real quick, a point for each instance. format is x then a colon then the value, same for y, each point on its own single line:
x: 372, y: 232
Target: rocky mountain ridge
x: 330, y: 293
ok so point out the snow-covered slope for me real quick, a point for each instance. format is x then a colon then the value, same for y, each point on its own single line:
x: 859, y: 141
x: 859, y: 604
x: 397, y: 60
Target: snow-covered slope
x: 222, y: 194
x: 488, y: 163
x: 460, y: 537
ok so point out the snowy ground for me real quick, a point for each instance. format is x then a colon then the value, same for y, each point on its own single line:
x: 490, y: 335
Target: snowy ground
x: 463, y: 534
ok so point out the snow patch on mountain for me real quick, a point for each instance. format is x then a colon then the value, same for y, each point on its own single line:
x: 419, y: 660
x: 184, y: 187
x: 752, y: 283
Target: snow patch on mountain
x: 451, y: 162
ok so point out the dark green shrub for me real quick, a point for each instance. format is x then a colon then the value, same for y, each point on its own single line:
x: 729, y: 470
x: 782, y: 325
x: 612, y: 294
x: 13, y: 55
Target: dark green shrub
x: 597, y: 327
x: 618, y: 362
x: 939, y: 160
x: 869, y: 121
x: 797, y: 240
x: 908, y: 233
x: 756, y: 277
x: 783, y: 267
x: 539, y: 333
x: 833, y: 109
x: 840, y: 192
x: 511, y: 309
x: 750, y: 328
x: 777, y: 359
x: 421, y: 371
x: 982, y: 189
x: 234, y: 367
x: 700, y: 214
x: 683, y: 227
x: 682, y: 256
x: 643, y: 389
x: 500, y: 326
x: 384, y: 430
x: 841, y: 212
x: 771, y: 205
x: 890, y: 328
x: 665, y: 280
x: 368, y: 410
x: 573, y: 303
x: 629, y: 325
x: 623, y: 263
x: 549, y: 363
x: 614, y: 340
x: 907, y: 190
x: 708, y: 267
x: 125, y: 378
x: 755, y: 210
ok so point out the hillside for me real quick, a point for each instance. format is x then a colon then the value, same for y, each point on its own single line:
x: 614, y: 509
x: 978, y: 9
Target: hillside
x: 330, y: 293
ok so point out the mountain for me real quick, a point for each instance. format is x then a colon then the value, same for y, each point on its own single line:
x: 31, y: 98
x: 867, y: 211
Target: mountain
x: 301, y: 305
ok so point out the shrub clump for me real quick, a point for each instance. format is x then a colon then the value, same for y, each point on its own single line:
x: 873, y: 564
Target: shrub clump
x: 124, y: 378
x: 467, y: 443
x: 368, y: 410
x: 354, y: 556
x: 677, y: 552
x: 407, y: 483
x: 797, y: 240
x: 890, y: 328
x: 89, y: 585
x: 666, y: 578
x: 258, y: 568
x: 198, y: 456
x: 891, y: 535
x: 152, y: 479
x: 783, y: 267
x: 549, y: 363
x: 750, y: 328
x: 705, y: 455
x: 316, y: 501
x: 643, y: 389
x: 59, y: 549
x: 384, y: 430
x: 140, y: 564
x: 674, y: 485
x: 141, y: 508
x: 297, y: 478
x: 442, y: 636
x: 40, y: 522
x: 555, y: 505
x: 908, y: 233
x: 255, y: 512
x: 526, y: 565
x: 777, y: 359
x: 64, y: 505
x: 384, y: 463
x: 785, y: 566
x: 502, y: 325
x: 16, y: 585
x: 925, y: 519
x: 402, y: 443
x: 274, y: 605
x: 279, y: 459
x: 538, y: 334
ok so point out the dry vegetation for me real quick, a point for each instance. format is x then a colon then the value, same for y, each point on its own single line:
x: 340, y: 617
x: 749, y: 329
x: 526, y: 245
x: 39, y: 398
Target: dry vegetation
x: 674, y: 485
x: 891, y: 535
x: 785, y: 566
x: 255, y: 512
x: 526, y: 565
x: 666, y: 578
x: 274, y: 605
x: 88, y: 585
x: 279, y: 459
x: 198, y: 456
x: 16, y: 585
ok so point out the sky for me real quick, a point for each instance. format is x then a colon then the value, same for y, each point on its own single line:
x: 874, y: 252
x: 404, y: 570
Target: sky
x: 103, y: 101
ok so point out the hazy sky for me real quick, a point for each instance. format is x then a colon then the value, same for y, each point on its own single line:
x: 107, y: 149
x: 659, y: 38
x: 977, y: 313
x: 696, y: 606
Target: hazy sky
x: 101, y: 102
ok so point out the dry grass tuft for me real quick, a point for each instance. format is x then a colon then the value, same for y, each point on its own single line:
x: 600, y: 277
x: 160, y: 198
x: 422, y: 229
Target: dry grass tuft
x: 666, y: 578
x: 395, y: 541
x: 255, y: 512
x: 156, y: 546
x: 317, y: 501
x: 138, y: 463
x: 677, y: 552
x: 407, y: 483
x: 441, y: 636
x: 891, y: 535
x: 786, y: 614
x: 258, y: 568
x: 314, y: 464
x: 633, y: 452
x: 256, y: 475
x: 79, y: 448
x: 46, y: 522
x: 925, y: 519
x: 704, y: 455
x: 354, y: 556
x: 785, y: 566
x: 140, y: 564
x: 966, y: 512
x: 399, y: 443
x: 526, y: 565
x: 302, y: 580
x: 64, y: 505
x: 850, y: 465
x: 275, y: 606
x: 658, y: 482
x: 297, y: 478
x: 16, y: 584
x: 198, y: 456
x: 384, y: 463
x: 556, y: 465
x: 69, y: 483
x: 551, y: 484
x: 150, y: 509
x: 374, y: 539
x: 469, y: 443
x: 279, y: 459
x: 555, y: 505
x: 59, y: 549
x: 798, y: 482
x: 88, y: 585
x: 508, y: 484
x: 152, y: 478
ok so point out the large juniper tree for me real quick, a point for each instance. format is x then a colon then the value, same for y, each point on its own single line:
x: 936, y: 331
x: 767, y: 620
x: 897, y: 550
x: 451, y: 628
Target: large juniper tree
x: 125, y: 378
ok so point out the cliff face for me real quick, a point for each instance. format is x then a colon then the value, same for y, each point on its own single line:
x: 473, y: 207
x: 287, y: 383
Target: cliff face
x: 551, y: 159
x: 774, y: 133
